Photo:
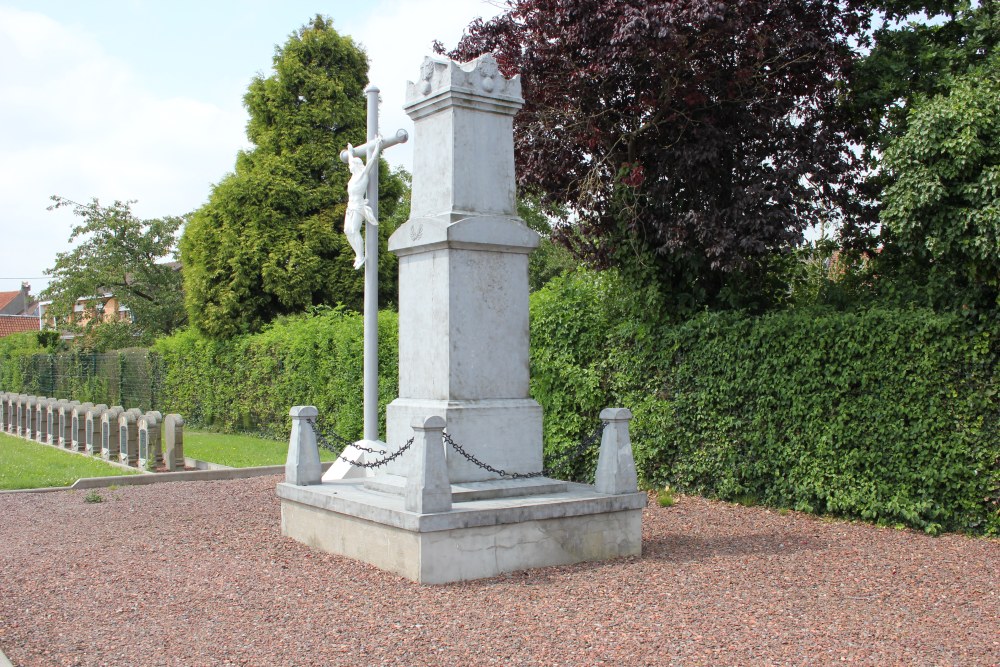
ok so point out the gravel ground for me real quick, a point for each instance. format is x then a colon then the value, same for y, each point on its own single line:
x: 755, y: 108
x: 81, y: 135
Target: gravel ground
x: 197, y: 573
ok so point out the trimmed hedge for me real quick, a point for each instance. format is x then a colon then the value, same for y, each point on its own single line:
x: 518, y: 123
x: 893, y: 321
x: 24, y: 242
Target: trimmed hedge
x: 248, y: 383
x: 885, y: 415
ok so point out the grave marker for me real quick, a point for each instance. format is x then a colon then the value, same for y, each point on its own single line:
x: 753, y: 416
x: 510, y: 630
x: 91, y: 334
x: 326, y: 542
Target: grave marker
x: 148, y: 427
x: 109, y: 433
x: 128, y: 437
x: 92, y: 429
x: 41, y: 420
x: 172, y: 435
x: 78, y: 419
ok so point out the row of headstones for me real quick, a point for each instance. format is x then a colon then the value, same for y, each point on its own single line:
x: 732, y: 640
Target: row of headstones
x: 144, y: 440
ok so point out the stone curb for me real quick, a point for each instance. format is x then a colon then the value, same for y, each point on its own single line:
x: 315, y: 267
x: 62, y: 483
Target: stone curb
x: 156, y: 478
x: 4, y: 662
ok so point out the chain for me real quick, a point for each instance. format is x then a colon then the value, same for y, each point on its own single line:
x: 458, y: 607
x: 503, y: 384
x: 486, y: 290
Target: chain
x: 322, y: 441
x: 323, y: 438
x: 584, y: 445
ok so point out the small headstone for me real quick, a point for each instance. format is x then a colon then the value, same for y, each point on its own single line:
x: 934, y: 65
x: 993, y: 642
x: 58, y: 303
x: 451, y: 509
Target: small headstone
x: 78, y: 418
x: 148, y: 426
x: 65, y: 421
x: 128, y: 442
x: 3, y: 411
x: 41, y: 420
x: 29, y: 417
x: 92, y: 429
x: 20, y: 415
x: 172, y: 435
x: 52, y: 421
x: 109, y: 433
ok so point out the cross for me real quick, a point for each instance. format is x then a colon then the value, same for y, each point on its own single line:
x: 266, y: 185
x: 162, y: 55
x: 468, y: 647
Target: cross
x: 371, y: 149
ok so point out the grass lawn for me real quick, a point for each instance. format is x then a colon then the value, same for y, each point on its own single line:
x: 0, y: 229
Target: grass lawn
x: 238, y: 451
x: 29, y: 465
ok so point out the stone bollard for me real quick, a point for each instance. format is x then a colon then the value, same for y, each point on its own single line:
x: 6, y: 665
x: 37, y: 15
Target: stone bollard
x: 78, y: 419
x: 428, y: 490
x: 303, y: 467
x: 615, y: 464
x: 172, y: 435
x: 128, y: 451
x: 148, y: 427
x: 109, y: 433
x: 91, y: 429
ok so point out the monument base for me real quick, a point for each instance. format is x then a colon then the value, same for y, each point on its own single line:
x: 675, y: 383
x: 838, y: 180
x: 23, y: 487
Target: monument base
x: 476, y: 539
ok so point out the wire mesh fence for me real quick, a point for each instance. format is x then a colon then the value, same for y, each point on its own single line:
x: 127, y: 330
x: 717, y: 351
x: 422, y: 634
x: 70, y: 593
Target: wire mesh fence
x: 131, y: 378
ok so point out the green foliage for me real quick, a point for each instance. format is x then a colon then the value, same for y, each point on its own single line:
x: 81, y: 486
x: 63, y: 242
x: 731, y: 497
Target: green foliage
x: 30, y: 465
x: 942, y: 204
x: 93, y: 497
x: 917, y: 52
x: 269, y: 241
x: 549, y: 259
x: 249, y: 382
x: 123, y: 255
x: 883, y: 414
x: 238, y: 450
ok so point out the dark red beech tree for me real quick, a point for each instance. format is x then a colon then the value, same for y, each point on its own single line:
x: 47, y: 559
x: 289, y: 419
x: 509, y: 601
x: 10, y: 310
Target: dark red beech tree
x: 697, y: 136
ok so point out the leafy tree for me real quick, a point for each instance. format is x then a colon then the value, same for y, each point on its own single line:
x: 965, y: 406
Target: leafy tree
x: 269, y: 241
x: 549, y: 259
x: 918, y: 50
x: 942, y: 205
x: 692, y: 140
x: 119, y: 253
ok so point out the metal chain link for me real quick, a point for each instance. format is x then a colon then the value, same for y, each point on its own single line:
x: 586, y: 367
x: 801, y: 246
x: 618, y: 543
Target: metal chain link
x: 583, y: 446
x: 322, y: 441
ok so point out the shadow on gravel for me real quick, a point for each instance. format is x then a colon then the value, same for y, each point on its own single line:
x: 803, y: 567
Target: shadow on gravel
x: 680, y: 548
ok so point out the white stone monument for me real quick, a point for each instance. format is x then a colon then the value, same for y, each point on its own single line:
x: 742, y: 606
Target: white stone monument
x: 431, y: 514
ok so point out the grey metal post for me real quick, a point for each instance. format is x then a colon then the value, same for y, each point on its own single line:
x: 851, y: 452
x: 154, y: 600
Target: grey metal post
x: 371, y: 283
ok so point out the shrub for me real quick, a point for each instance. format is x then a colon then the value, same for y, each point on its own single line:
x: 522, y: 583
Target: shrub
x: 883, y: 414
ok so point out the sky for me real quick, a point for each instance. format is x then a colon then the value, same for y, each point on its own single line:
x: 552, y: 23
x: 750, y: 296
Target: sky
x: 143, y: 99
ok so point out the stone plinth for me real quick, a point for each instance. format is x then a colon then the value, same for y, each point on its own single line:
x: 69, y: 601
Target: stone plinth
x: 475, y: 539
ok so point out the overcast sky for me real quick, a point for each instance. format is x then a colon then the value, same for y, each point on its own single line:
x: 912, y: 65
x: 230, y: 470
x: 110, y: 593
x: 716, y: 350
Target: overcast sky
x: 142, y: 99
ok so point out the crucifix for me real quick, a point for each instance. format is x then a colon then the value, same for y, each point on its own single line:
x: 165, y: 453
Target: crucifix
x: 363, y: 212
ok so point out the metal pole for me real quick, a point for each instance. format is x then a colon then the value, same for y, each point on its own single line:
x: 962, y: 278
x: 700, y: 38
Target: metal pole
x: 371, y: 284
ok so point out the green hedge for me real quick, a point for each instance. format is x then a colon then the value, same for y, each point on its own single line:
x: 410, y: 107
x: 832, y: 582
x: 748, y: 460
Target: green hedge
x: 886, y: 415
x: 248, y: 383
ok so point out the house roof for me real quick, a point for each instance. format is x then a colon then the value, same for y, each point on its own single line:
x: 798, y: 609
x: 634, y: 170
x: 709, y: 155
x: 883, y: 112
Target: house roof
x: 7, y: 297
x: 12, y: 324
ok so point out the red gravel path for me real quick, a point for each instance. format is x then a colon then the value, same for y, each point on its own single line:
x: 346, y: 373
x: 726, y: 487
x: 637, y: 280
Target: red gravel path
x: 198, y: 574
